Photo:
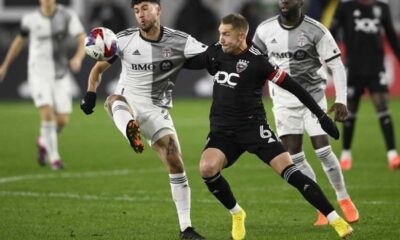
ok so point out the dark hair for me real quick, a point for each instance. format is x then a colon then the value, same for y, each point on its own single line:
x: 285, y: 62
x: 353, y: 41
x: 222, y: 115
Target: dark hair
x: 237, y: 21
x: 134, y: 2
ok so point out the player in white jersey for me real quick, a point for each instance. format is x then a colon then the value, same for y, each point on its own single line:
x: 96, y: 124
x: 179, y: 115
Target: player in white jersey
x: 296, y: 43
x: 48, y: 29
x: 151, y: 58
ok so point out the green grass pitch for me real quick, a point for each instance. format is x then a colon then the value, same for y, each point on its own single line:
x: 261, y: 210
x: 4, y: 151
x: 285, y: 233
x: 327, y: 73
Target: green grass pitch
x: 109, y: 192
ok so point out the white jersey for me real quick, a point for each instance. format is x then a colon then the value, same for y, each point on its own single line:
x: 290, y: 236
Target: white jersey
x: 150, y: 68
x: 299, y: 51
x: 47, y: 41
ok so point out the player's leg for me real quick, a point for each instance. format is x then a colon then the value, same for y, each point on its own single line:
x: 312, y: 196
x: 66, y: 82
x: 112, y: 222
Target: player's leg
x: 120, y: 111
x: 215, y: 158
x: 380, y: 100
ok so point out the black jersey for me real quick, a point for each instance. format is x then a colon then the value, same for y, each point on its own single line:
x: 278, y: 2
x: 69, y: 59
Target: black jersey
x: 362, y: 25
x: 238, y: 85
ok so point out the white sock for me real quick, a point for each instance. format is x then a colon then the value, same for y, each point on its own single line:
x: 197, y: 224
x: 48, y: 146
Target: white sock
x: 330, y: 164
x: 299, y: 159
x: 392, y: 154
x: 235, y: 209
x: 121, y: 115
x: 48, y: 134
x: 346, y: 154
x: 332, y: 216
x: 181, y: 195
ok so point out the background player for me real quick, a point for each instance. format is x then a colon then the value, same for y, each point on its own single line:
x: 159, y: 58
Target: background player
x: 49, y: 77
x: 151, y: 57
x: 297, y: 44
x: 362, y: 22
x: 238, y: 122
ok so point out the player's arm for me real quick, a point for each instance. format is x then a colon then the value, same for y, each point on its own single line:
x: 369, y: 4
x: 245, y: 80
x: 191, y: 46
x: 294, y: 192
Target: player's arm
x: 76, y: 60
x: 15, y: 48
x: 282, y: 79
x: 390, y: 32
x: 89, y: 101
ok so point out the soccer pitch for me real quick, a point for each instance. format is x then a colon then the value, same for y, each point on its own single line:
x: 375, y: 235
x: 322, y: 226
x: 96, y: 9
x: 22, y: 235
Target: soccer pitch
x: 109, y: 192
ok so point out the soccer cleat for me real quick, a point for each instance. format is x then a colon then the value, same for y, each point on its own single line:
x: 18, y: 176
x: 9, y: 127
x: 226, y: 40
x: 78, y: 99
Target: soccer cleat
x: 349, y: 210
x: 57, y: 165
x: 343, y: 229
x: 190, y: 233
x: 345, y: 163
x: 133, y: 134
x: 321, y: 220
x: 42, y: 153
x: 394, y: 163
x: 238, y: 227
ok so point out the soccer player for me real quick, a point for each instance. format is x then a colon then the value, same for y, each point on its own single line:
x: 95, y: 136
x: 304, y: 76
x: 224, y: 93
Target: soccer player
x: 151, y: 57
x: 48, y: 29
x: 297, y: 44
x: 238, y: 122
x: 362, y: 22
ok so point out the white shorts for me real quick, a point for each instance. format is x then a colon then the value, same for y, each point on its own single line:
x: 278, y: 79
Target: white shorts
x: 155, y: 122
x: 298, y: 120
x: 56, y: 93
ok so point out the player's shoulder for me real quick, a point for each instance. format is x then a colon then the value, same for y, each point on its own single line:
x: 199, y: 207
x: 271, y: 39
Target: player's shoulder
x: 383, y: 3
x: 65, y: 10
x: 169, y: 32
x: 268, y: 22
x: 127, y: 32
x: 254, y: 51
x: 314, y: 23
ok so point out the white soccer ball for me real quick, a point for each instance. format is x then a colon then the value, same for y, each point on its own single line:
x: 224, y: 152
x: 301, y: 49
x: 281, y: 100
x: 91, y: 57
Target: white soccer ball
x: 101, y: 44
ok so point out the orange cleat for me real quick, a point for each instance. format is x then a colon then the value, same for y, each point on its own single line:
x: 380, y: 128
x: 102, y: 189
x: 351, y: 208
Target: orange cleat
x: 394, y: 163
x: 321, y: 220
x: 345, y: 163
x: 349, y: 210
x: 133, y: 134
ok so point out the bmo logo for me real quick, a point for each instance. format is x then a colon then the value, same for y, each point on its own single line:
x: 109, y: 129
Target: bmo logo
x: 226, y: 79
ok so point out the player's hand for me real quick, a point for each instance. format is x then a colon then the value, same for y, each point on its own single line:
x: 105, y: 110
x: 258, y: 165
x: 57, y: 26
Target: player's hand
x: 3, y: 72
x: 329, y: 126
x: 340, y: 110
x: 88, y: 102
x: 75, y: 64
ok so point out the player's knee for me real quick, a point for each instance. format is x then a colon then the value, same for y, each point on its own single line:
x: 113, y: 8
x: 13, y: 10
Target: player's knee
x: 209, y: 168
x: 111, y: 99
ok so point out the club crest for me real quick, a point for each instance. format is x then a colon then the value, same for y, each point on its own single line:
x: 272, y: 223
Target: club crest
x: 167, y: 52
x: 301, y: 41
x: 241, y: 65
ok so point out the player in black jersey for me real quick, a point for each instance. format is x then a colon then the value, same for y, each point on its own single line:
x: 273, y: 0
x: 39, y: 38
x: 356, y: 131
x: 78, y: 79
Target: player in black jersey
x: 362, y: 22
x: 239, y: 124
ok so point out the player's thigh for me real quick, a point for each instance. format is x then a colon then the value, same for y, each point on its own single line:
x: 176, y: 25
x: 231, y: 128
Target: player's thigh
x: 62, y: 95
x: 41, y: 91
x: 212, y: 161
x: 280, y: 162
x: 311, y: 123
x: 293, y: 143
x: 288, y: 120
x: 356, y: 85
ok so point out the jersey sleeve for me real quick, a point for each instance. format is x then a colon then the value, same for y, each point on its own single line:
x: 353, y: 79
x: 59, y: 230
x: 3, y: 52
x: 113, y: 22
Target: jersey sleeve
x: 24, y: 27
x: 327, y: 47
x: 75, y: 26
x: 258, y: 42
x: 273, y: 74
x: 193, y: 47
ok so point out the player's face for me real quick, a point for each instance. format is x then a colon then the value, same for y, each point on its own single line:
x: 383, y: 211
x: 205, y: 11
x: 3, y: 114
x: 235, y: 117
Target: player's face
x: 147, y: 15
x: 230, y: 38
x: 290, y: 8
x: 47, y: 3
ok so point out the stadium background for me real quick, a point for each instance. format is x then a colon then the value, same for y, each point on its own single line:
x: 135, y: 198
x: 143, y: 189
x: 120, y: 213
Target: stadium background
x: 186, y: 15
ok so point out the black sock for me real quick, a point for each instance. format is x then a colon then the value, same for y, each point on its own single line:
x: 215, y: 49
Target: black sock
x: 220, y: 188
x: 348, y: 130
x: 387, y: 128
x: 308, y: 188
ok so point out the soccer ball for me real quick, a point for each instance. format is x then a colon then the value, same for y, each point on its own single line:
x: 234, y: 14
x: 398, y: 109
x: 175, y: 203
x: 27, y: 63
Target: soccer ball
x: 101, y: 44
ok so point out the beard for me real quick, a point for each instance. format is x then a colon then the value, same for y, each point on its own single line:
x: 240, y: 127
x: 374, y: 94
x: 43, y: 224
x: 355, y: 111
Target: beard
x: 290, y: 13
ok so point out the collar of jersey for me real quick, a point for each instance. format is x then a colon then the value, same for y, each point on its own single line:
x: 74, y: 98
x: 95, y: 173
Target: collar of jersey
x: 291, y: 28
x: 154, y: 41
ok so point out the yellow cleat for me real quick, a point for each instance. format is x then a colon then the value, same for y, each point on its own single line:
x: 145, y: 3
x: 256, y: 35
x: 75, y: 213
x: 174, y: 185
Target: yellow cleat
x: 343, y: 229
x: 238, y: 228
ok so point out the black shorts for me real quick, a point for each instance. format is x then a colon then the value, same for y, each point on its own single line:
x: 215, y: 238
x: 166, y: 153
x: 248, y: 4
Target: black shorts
x: 258, y: 139
x: 357, y: 83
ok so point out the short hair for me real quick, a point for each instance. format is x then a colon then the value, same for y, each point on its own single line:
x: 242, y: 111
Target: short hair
x: 237, y: 21
x: 134, y: 2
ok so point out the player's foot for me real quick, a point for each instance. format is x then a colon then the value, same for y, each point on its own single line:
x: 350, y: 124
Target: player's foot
x: 345, y: 163
x: 394, y: 163
x: 321, y: 220
x: 42, y: 153
x: 57, y: 165
x: 238, y: 227
x: 343, y: 229
x: 133, y: 134
x: 349, y: 210
x: 190, y: 233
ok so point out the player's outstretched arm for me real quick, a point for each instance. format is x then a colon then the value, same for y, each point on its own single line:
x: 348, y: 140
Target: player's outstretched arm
x: 326, y: 123
x: 12, y: 53
x: 89, y: 101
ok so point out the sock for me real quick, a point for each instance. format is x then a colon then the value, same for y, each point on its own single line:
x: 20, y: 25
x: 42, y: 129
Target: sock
x: 235, y: 209
x: 48, y: 134
x: 220, y: 188
x: 392, y: 154
x: 299, y: 159
x: 348, y: 130
x: 387, y: 129
x: 332, y: 216
x: 346, y: 154
x: 330, y: 164
x: 308, y: 188
x: 121, y: 115
x: 181, y: 195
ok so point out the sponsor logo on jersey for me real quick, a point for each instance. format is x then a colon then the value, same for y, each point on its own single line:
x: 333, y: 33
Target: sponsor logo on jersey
x: 274, y: 41
x: 166, y: 65
x: 297, y: 55
x: 136, y: 52
x: 144, y: 67
x: 167, y: 52
x: 367, y: 25
x: 226, y: 79
x: 241, y: 65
